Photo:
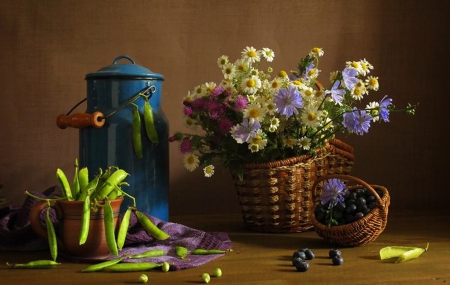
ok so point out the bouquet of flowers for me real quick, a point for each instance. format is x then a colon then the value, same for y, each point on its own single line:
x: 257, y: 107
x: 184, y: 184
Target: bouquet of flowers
x: 256, y: 116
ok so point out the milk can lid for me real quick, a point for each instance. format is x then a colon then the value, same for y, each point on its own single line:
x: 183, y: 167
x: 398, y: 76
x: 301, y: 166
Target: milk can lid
x: 124, y: 71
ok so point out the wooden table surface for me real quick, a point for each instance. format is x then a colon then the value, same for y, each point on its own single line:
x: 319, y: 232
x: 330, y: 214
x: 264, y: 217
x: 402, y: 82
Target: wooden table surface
x: 259, y: 258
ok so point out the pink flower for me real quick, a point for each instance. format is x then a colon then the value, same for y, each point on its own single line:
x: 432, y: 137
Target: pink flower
x: 240, y: 103
x: 225, y: 126
x: 186, y: 146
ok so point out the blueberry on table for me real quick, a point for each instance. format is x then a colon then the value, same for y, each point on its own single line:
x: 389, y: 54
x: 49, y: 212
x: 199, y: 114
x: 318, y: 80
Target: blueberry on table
x: 334, y: 252
x: 300, y: 254
x: 302, y: 266
x: 337, y: 260
x: 308, y: 253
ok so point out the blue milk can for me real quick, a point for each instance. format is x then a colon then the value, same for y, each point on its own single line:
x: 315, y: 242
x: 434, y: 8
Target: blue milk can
x: 111, y: 90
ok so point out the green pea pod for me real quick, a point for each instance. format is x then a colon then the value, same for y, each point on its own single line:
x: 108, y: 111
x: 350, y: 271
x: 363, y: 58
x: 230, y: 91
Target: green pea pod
x: 403, y: 253
x: 411, y: 254
x: 149, y: 253
x: 76, y: 182
x: 85, y: 220
x: 149, y: 121
x: 132, y: 266
x: 150, y: 227
x: 93, y: 186
x: 51, y: 235
x: 109, y: 229
x: 201, y: 251
x: 38, y: 264
x: 64, y: 183
x: 136, y: 132
x: 101, y: 265
x: 83, y: 178
x: 181, y: 251
x: 123, y: 229
x: 116, y: 177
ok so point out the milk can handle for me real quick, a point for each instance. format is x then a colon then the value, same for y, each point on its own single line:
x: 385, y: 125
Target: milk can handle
x: 121, y: 57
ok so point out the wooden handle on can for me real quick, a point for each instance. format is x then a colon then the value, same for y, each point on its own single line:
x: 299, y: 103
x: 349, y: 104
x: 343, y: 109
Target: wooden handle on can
x: 81, y: 120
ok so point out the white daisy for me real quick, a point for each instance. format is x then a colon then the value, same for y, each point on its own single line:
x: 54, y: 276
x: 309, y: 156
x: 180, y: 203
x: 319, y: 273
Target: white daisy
x: 241, y: 65
x: 305, y: 143
x: 209, y: 87
x: 191, y: 161
x: 209, y: 170
x: 221, y: 61
x: 373, y: 108
x: 372, y: 83
x: 228, y: 70
x: 258, y: 140
x: 316, y: 52
x: 311, y: 116
x: 268, y: 54
x: 251, y: 55
x: 199, y: 91
x: 355, y: 65
x: 333, y: 76
x: 255, y: 112
x: 365, y: 66
x: 251, y: 84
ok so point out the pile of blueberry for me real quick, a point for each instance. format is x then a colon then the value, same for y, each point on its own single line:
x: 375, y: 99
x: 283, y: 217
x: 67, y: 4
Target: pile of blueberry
x: 357, y: 204
x: 300, y: 258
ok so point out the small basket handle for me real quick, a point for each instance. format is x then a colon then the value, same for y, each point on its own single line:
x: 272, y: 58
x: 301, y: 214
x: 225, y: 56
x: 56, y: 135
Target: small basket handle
x: 348, y: 177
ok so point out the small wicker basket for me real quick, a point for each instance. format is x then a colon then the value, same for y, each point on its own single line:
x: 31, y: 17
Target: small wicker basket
x: 277, y: 196
x: 362, y: 231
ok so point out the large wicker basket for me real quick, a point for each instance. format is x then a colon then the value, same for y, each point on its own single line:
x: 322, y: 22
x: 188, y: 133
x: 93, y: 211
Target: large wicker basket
x: 277, y: 196
x: 362, y: 231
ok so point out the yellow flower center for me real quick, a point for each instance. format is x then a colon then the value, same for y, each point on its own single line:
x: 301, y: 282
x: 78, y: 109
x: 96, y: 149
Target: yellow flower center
x: 275, y: 84
x: 254, y: 113
x: 311, y: 116
x: 355, y: 65
x: 251, y: 53
x: 251, y: 83
x: 256, y: 139
x: 357, y: 91
x: 190, y: 160
x: 282, y: 73
x: 373, y: 81
x: 308, y: 92
x: 297, y: 83
x: 228, y: 70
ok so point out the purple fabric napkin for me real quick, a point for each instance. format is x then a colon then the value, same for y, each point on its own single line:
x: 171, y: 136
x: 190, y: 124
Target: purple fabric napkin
x: 17, y: 234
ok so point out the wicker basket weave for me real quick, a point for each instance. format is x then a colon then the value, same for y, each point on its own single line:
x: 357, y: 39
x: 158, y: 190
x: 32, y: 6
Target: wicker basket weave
x: 362, y: 231
x: 277, y: 196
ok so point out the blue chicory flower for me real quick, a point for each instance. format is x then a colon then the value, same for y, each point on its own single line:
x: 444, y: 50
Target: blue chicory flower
x: 245, y: 130
x: 384, y: 111
x: 349, y: 77
x: 337, y: 95
x: 333, y: 192
x: 287, y: 101
x: 357, y: 121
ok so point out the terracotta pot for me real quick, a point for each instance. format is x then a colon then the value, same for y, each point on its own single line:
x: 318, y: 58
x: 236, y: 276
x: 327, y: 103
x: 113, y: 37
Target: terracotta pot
x: 69, y: 214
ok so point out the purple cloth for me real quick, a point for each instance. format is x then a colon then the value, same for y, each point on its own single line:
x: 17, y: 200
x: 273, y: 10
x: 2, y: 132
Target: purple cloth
x: 17, y: 234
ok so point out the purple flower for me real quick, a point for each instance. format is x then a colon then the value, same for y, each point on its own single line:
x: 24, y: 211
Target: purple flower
x: 217, y: 91
x: 216, y: 109
x: 357, y: 121
x: 225, y: 126
x: 245, y: 130
x: 188, y: 111
x: 384, y: 110
x: 240, y: 103
x: 185, y: 146
x: 287, y: 101
x: 198, y: 104
x: 349, y: 77
x: 336, y: 94
x: 333, y: 192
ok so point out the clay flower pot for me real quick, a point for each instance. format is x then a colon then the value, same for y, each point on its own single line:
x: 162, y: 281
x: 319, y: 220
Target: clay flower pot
x: 69, y: 214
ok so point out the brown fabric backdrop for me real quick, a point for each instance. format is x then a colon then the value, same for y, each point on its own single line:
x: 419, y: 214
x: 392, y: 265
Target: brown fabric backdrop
x: 47, y: 47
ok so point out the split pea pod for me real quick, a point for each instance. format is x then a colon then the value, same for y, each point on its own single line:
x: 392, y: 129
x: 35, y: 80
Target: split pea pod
x: 83, y: 178
x: 123, y: 229
x: 116, y: 177
x: 85, y: 220
x: 132, y: 266
x: 150, y: 227
x: 181, y: 251
x: 109, y: 229
x: 101, y: 265
x: 75, y: 182
x: 149, y: 121
x: 52, y: 243
x: 64, y: 183
x: 38, y: 264
x: 136, y: 132
x: 149, y: 253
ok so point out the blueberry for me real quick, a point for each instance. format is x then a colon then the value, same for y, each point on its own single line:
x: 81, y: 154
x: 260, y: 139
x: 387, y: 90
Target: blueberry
x: 350, y: 209
x: 302, y: 266
x: 309, y: 253
x: 359, y: 215
x: 337, y: 260
x: 296, y: 259
x: 334, y: 252
x: 360, y: 201
x: 299, y: 254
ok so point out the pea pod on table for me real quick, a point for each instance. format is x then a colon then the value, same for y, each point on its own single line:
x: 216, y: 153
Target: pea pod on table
x: 132, y: 266
x: 38, y: 264
x: 150, y: 227
x: 149, y: 253
x: 100, y: 266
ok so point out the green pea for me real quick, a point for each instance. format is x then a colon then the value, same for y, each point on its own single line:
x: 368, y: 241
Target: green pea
x: 150, y: 122
x: 143, y: 278
x: 165, y: 266
x: 217, y: 272
x: 181, y: 251
x: 51, y: 235
x: 83, y: 178
x: 136, y: 132
x: 150, y: 227
x: 123, y: 229
x: 109, y: 229
x: 206, y: 278
x: 101, y: 265
x: 85, y: 220
x: 116, y: 177
x: 64, y: 183
x: 76, y: 182
x: 132, y: 266
x: 38, y: 264
x: 149, y: 253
